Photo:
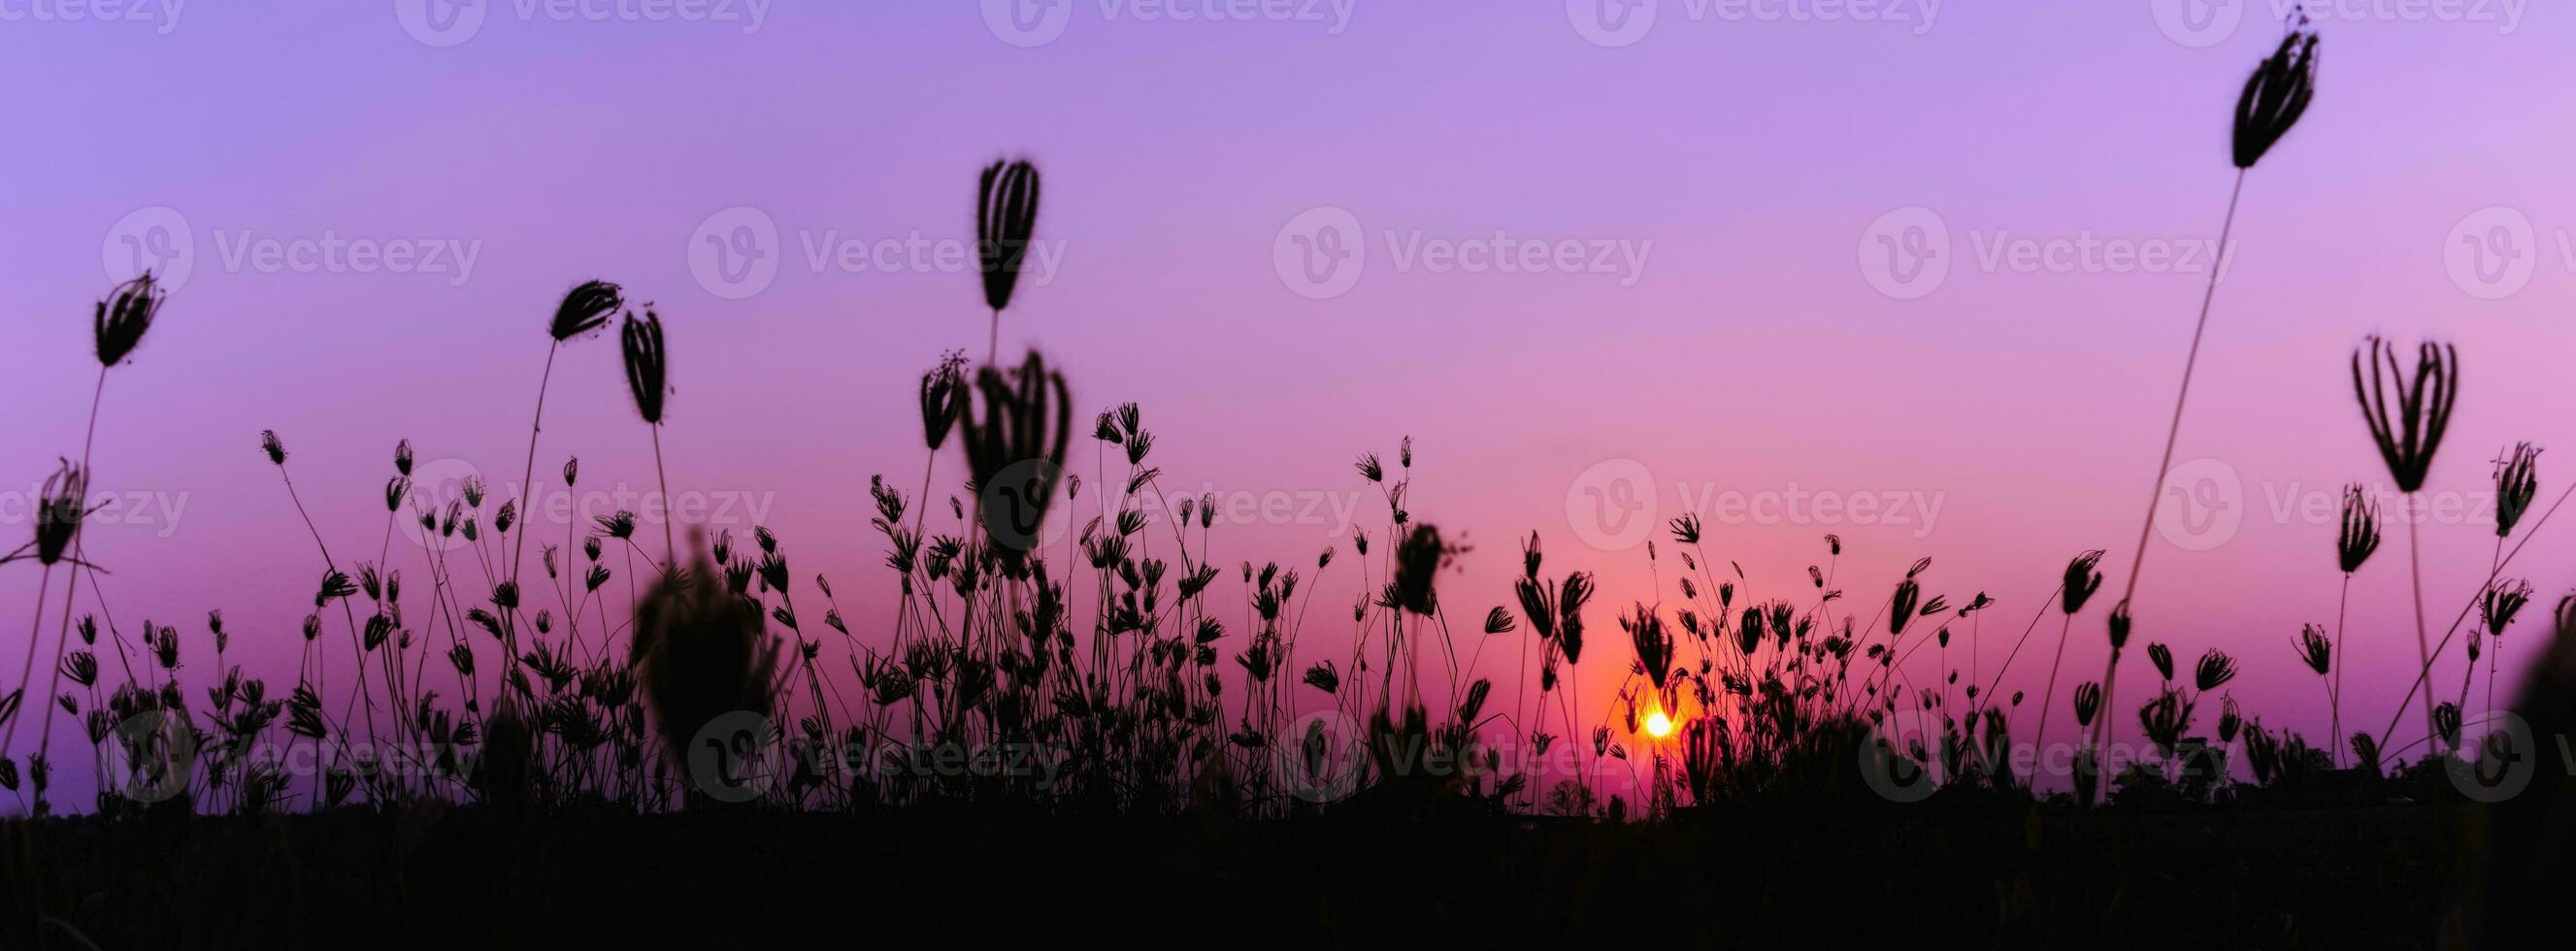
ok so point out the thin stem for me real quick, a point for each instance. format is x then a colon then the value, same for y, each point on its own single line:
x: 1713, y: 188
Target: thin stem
x: 71, y: 596
x: 2173, y: 433
x: 670, y: 547
x: 2334, y: 696
x: 2048, y: 697
x: 2422, y: 679
x: 35, y: 629
x: 2493, y: 654
x: 527, y: 480
x: 1998, y: 681
x: 357, y: 641
x: 2182, y: 397
x: 2423, y: 644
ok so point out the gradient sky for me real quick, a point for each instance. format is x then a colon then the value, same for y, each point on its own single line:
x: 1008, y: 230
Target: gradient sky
x: 1752, y: 352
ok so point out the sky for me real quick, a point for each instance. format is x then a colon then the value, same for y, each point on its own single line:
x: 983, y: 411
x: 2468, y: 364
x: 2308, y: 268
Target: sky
x: 1921, y: 275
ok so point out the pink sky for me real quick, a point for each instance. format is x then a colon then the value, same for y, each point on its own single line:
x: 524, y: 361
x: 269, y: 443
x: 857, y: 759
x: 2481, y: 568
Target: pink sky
x: 1742, y: 160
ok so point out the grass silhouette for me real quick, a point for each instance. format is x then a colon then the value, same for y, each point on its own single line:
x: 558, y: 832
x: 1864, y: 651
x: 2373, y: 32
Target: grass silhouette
x: 990, y: 650
x: 2276, y: 95
x: 1057, y: 661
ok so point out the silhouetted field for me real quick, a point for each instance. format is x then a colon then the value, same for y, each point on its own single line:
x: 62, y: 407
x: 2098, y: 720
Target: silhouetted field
x: 1979, y: 874
x: 687, y: 746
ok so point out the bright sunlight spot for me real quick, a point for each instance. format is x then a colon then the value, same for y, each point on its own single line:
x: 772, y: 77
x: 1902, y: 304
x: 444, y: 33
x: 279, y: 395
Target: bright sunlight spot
x: 1658, y: 725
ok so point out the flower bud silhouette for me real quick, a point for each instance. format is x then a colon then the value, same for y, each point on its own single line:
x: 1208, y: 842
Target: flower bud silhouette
x: 646, y: 366
x: 1006, y: 217
x: 2275, y: 96
x: 1021, y: 437
x: 584, y: 309
x: 124, y: 316
x: 2408, y: 429
x: 2516, y: 482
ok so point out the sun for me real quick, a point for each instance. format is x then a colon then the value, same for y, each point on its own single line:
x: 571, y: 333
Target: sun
x: 1658, y: 725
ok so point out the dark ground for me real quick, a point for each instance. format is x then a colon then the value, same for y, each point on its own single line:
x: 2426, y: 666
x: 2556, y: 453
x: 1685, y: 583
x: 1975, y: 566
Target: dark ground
x: 1925, y: 875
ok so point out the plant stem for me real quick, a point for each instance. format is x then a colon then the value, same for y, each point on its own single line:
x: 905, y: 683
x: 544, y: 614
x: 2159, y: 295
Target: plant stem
x: 35, y: 629
x: 71, y: 596
x: 2182, y: 397
x: 2423, y: 644
x: 670, y: 548
x: 2173, y: 432
x: 527, y: 481
x: 357, y: 640
x: 2422, y: 679
x: 2048, y: 697
x: 2334, y: 695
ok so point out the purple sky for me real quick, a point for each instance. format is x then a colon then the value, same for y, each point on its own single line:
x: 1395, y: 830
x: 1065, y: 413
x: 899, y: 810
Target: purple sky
x: 1732, y: 171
